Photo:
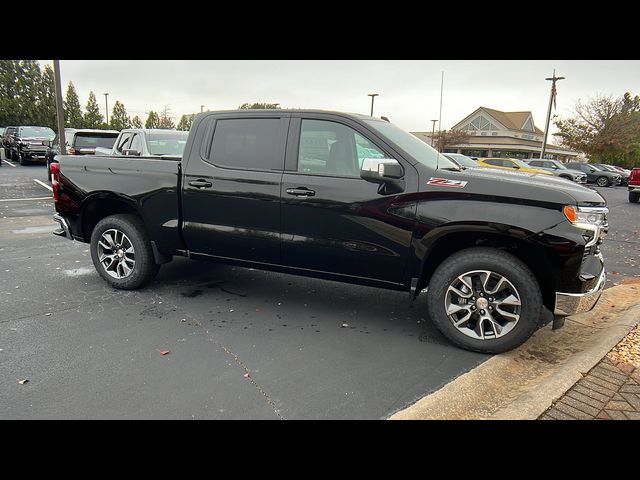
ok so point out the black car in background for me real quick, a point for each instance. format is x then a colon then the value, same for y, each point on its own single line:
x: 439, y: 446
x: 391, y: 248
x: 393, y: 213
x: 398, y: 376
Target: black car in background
x: 80, y: 142
x: 25, y: 144
x: 624, y: 177
x: 599, y: 176
x: 4, y: 140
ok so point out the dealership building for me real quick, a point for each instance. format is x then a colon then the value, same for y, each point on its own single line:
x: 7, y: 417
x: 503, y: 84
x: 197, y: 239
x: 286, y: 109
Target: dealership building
x: 493, y: 133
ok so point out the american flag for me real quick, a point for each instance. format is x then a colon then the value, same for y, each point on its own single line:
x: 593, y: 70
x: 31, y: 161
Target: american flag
x: 553, y: 94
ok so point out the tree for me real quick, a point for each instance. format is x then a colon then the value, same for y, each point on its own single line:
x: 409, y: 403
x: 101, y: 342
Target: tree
x: 445, y: 138
x: 72, y: 112
x: 29, y: 90
x: 165, y: 120
x: 185, y: 122
x: 605, y: 128
x: 119, y: 117
x: 258, y: 106
x: 136, y: 122
x: 92, y: 116
x: 9, y: 98
x: 47, y: 103
x: 153, y: 120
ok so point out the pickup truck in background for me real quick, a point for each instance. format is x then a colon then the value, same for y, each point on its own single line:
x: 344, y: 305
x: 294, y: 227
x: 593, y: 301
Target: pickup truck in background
x: 26, y: 144
x: 80, y: 142
x: 634, y: 185
x: 350, y: 198
x: 145, y: 142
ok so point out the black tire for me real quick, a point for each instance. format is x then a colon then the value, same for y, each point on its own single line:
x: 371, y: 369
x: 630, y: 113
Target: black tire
x: 566, y: 177
x: 7, y: 154
x: 22, y: 160
x: 634, y: 197
x: 14, y: 156
x: 503, y: 264
x: 603, y: 182
x: 145, y: 268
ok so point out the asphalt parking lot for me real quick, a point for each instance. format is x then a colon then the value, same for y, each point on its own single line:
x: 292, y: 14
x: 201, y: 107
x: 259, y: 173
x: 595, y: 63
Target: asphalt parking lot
x: 243, y: 344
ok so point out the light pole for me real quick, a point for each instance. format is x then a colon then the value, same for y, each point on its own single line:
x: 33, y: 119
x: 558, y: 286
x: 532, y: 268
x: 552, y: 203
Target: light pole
x: 373, y: 96
x: 201, y: 108
x: 106, y: 106
x: 433, y: 130
x: 552, y: 99
x: 59, y: 108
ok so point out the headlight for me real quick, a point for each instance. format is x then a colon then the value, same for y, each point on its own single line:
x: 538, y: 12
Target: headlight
x: 586, y: 217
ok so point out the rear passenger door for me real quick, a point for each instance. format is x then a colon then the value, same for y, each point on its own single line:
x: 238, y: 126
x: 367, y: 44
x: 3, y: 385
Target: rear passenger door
x: 231, y: 187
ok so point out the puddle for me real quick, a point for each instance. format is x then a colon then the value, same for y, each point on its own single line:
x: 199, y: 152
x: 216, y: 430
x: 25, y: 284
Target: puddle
x: 43, y: 229
x: 76, y: 272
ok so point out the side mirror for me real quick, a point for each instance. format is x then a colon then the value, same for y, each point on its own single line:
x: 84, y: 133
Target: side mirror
x: 380, y: 170
x: 131, y: 152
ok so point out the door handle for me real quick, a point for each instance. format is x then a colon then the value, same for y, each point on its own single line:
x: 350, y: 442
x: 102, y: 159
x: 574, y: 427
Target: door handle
x: 200, y: 183
x: 301, y: 192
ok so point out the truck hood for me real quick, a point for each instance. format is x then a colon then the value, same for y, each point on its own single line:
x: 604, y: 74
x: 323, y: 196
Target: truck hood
x: 532, y: 187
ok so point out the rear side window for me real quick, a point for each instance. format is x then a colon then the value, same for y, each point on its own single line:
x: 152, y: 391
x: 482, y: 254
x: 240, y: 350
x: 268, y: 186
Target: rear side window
x: 249, y: 143
x: 497, y: 163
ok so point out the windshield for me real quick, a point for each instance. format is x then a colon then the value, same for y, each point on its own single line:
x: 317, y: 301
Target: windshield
x: 37, y: 132
x: 93, y: 140
x: 167, y: 143
x: 609, y: 168
x: 559, y: 165
x: 600, y: 169
x: 521, y: 163
x: 461, y: 159
x: 411, y: 144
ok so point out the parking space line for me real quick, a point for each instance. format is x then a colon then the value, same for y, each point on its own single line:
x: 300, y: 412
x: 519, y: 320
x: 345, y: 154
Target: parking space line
x: 43, y: 184
x: 8, y: 163
x: 24, y: 199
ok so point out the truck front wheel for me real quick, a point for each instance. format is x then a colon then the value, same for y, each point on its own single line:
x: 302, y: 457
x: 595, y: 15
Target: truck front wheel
x: 485, y: 300
x: 122, y: 253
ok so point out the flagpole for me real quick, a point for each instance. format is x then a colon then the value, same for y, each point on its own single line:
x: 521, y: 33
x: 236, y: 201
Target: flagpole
x: 552, y: 98
x: 440, y: 116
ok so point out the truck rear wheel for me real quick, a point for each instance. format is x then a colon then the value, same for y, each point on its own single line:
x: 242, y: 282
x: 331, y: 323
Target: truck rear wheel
x: 634, y: 197
x: 485, y: 300
x: 122, y: 253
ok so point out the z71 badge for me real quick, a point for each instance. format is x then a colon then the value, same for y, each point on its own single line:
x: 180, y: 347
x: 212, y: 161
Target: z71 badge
x: 445, y: 182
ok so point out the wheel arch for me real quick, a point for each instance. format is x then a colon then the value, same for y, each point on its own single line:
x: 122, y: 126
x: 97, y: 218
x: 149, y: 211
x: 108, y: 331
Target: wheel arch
x: 101, y: 205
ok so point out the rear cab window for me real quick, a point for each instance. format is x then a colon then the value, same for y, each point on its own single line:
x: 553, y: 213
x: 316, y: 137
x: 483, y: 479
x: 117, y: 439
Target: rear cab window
x: 93, y: 140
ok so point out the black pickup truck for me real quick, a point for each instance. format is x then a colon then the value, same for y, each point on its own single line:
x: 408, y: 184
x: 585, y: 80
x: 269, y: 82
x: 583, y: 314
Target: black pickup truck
x: 350, y: 198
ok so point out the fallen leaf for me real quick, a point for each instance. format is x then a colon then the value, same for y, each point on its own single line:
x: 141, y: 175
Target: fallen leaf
x: 246, y: 375
x: 22, y: 382
x: 164, y: 352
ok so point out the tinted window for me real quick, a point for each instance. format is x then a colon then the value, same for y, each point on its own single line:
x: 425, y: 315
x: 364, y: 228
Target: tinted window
x: 136, y: 143
x: 123, y: 142
x: 37, y: 132
x: 92, y: 140
x: 169, y: 143
x: 537, y: 163
x: 493, y: 161
x: 249, y: 143
x: 330, y: 148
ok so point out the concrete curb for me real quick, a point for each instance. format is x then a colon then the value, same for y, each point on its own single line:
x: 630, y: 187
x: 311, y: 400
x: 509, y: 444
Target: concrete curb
x: 523, y: 383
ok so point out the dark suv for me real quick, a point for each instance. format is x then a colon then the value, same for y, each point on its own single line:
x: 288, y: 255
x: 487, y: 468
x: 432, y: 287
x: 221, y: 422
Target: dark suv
x: 559, y: 170
x: 80, y: 142
x: 596, y: 175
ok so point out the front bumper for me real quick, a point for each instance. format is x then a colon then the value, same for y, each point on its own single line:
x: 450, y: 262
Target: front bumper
x: 574, y: 303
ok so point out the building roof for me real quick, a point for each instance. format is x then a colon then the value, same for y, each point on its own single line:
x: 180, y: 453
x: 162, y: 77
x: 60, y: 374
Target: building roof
x: 510, y: 120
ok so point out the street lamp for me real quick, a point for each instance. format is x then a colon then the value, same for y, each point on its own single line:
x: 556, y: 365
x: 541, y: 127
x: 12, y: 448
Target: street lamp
x: 373, y: 96
x: 433, y: 130
x: 552, y: 99
x: 201, y: 108
x: 106, y: 106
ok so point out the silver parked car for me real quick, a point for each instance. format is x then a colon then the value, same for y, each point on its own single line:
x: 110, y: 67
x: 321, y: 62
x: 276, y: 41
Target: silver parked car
x: 559, y: 170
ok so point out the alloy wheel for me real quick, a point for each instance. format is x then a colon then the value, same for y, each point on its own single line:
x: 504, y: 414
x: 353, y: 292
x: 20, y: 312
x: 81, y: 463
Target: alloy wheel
x: 116, y: 253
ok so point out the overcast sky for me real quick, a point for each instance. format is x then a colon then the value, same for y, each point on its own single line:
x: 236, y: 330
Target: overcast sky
x: 409, y: 90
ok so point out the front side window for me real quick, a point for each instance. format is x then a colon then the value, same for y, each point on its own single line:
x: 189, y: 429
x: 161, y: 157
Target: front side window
x: 123, y: 142
x: 494, y: 161
x: 136, y: 143
x: 330, y: 148
x: 249, y: 143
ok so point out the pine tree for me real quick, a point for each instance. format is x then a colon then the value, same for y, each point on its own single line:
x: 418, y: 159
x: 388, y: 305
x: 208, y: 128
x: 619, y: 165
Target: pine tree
x: 153, y: 120
x: 29, y: 91
x: 92, y: 117
x: 72, y: 111
x: 165, y: 120
x: 9, y: 99
x: 136, y: 122
x: 47, y: 102
x: 185, y: 122
x: 119, y: 117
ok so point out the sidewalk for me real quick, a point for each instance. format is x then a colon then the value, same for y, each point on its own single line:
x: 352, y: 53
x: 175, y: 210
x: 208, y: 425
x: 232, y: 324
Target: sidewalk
x: 610, y: 390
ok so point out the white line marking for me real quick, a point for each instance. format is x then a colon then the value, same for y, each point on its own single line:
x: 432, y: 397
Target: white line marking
x: 9, y: 163
x: 43, y: 184
x: 24, y: 199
